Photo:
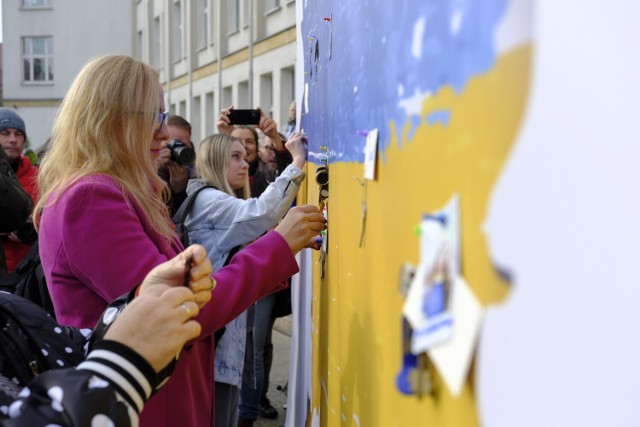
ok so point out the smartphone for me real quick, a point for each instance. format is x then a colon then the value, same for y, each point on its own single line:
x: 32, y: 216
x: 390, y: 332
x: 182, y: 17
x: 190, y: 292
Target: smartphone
x: 244, y: 117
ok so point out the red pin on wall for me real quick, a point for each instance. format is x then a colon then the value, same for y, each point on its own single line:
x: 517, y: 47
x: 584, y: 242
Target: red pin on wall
x: 329, y: 19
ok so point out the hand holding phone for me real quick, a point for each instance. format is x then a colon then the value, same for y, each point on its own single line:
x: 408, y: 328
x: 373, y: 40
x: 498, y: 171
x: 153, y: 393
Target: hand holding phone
x: 244, y: 117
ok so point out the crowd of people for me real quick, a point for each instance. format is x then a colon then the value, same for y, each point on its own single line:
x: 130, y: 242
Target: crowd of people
x: 117, y: 167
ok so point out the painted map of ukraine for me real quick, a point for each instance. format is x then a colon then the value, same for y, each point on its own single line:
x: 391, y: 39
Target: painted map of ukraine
x: 431, y: 71
x: 446, y: 84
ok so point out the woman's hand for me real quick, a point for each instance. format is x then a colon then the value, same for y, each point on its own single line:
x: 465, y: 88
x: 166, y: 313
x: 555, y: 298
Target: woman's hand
x: 157, y: 323
x: 297, y: 146
x: 270, y: 128
x: 224, y: 124
x: 172, y: 273
x: 300, y: 225
x: 178, y: 176
x: 315, y: 243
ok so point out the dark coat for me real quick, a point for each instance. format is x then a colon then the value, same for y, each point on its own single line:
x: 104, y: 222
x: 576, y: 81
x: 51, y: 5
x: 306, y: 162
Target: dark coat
x: 15, y: 204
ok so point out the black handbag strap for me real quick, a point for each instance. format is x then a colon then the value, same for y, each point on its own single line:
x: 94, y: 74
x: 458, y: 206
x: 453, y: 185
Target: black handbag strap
x: 186, y: 206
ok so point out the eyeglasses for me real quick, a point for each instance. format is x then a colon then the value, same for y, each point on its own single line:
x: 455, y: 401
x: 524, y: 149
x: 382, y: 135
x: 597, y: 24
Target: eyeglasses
x: 162, y: 117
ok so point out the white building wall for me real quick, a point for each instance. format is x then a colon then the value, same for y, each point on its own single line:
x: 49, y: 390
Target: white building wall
x: 81, y: 29
x: 193, y: 93
x: 280, y: 18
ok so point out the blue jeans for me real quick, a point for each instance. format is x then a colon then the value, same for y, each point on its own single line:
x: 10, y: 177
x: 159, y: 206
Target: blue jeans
x: 252, y: 390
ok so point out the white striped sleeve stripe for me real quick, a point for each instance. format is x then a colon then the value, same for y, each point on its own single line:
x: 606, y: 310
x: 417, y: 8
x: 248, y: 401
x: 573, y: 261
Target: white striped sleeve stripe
x: 121, y: 373
x: 117, y: 380
x: 126, y: 365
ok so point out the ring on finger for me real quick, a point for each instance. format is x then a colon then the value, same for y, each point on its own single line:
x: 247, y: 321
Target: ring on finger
x: 187, y: 309
x: 212, y: 284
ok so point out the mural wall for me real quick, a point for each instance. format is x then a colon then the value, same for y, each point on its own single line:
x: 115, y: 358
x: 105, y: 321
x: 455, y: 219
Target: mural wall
x: 416, y: 113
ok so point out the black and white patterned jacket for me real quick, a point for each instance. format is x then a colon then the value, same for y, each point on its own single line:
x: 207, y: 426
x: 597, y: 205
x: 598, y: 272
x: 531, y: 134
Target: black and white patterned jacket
x: 70, y: 376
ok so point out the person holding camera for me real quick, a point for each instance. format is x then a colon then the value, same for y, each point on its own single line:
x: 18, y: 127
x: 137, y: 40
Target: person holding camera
x: 175, y: 161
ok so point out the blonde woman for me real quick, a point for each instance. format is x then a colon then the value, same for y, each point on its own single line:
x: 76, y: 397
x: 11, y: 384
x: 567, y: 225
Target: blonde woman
x: 103, y: 224
x: 225, y: 217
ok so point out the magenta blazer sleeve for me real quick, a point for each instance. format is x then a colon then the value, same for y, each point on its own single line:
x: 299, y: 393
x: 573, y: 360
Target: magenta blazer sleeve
x: 253, y: 273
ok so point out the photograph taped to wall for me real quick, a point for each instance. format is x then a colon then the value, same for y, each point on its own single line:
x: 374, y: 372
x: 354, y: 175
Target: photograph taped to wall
x: 427, y: 307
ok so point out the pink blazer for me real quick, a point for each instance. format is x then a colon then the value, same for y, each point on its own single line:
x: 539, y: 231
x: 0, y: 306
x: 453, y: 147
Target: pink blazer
x: 97, y: 244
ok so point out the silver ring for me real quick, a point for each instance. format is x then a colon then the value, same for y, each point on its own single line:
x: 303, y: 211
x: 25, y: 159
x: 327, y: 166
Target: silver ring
x: 186, y: 308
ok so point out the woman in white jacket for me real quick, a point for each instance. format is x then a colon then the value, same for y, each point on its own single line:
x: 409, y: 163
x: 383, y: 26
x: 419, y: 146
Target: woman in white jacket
x: 225, y: 217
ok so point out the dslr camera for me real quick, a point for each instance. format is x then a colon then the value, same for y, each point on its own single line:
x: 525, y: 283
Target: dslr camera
x: 181, y: 153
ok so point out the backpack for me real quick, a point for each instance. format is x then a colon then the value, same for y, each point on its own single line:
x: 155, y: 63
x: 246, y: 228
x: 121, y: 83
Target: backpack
x: 28, y: 281
x: 183, y: 234
x: 31, y: 343
x: 181, y: 215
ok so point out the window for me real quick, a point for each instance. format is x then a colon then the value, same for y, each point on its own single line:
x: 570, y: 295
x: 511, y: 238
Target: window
x: 208, y: 112
x: 139, y: 39
x: 177, y: 31
x: 156, y: 43
x: 243, y: 95
x: 37, y: 56
x: 33, y: 4
x: 287, y: 92
x: 232, y: 16
x: 246, y: 18
x: 271, y: 4
x: 196, y: 108
x: 266, y: 94
x: 227, y: 97
x: 202, y: 29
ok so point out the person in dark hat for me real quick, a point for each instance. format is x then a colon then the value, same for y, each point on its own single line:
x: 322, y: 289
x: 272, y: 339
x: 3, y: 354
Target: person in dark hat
x: 13, y: 137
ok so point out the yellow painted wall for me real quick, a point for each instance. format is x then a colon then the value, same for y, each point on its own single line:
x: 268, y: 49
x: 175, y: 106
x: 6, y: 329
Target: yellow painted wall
x: 357, y: 307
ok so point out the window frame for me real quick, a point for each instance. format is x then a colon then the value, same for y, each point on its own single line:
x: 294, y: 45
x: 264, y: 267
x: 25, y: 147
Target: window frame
x: 178, y: 32
x: 236, y: 18
x: 30, y: 57
x: 25, y: 4
x: 202, y: 24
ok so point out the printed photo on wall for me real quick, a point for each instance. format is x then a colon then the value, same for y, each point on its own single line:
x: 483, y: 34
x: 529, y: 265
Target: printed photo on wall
x: 428, y: 304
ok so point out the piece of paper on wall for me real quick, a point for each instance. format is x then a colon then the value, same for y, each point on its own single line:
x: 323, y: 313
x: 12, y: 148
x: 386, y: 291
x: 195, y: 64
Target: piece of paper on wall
x: 305, y: 101
x: 453, y: 358
x: 428, y: 303
x: 370, y: 154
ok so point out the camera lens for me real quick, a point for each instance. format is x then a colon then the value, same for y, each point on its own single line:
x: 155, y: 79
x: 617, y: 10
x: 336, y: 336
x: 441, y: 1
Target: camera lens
x: 181, y: 153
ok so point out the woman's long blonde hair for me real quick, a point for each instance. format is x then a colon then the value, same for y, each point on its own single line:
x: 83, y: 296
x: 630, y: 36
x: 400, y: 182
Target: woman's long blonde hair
x: 105, y: 125
x: 212, y: 164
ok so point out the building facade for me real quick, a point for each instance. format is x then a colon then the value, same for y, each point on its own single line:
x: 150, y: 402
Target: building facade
x: 201, y: 48
x: 208, y: 60
x: 46, y: 43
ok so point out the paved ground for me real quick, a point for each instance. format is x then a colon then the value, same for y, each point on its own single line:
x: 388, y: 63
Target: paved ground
x: 279, y: 372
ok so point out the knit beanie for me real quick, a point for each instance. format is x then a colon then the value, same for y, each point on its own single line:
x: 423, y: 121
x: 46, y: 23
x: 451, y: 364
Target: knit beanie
x: 9, y: 119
